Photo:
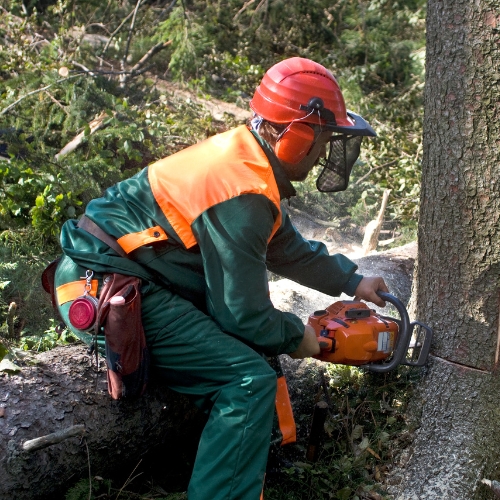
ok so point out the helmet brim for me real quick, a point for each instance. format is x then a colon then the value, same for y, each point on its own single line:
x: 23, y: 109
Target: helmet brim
x: 360, y: 126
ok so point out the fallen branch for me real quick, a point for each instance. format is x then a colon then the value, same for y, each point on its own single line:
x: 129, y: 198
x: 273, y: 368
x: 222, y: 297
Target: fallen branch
x: 148, y: 55
x: 245, y: 6
x: 310, y: 217
x: 385, y: 165
x: 138, y: 68
x: 54, y: 438
x: 116, y: 31
x: 94, y: 125
x: 82, y: 67
x: 372, y: 231
x: 129, y: 38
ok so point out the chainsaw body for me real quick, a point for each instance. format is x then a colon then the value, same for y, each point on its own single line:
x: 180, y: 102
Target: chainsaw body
x: 350, y: 333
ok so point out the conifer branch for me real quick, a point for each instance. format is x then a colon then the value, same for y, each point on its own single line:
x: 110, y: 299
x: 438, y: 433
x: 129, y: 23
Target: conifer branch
x: 93, y: 126
x: 139, y: 67
x: 55, y: 101
x: 166, y: 11
x: 130, y: 32
x: 15, y: 103
x: 385, y: 165
x: 115, y: 32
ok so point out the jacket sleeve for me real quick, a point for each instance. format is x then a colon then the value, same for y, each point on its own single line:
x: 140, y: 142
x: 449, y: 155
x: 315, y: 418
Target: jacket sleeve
x: 233, y: 238
x: 308, y: 262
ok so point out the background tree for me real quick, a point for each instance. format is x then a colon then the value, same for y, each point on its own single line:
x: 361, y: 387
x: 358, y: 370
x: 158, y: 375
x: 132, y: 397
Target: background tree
x: 458, y: 279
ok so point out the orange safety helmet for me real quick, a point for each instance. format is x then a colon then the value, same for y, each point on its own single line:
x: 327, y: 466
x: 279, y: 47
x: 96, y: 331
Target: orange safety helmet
x: 303, y: 90
x: 297, y: 92
x: 288, y: 86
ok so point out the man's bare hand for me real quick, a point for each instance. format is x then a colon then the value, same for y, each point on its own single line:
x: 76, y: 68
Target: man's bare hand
x: 368, y: 288
x: 309, y: 345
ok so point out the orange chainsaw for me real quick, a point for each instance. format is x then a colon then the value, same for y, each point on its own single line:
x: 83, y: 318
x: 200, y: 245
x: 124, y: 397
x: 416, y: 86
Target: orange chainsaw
x: 350, y: 333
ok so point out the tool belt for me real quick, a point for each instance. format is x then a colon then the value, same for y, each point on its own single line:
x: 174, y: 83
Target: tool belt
x: 116, y: 312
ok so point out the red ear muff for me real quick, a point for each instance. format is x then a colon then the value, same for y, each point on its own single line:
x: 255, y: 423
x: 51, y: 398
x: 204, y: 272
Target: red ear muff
x: 295, y: 143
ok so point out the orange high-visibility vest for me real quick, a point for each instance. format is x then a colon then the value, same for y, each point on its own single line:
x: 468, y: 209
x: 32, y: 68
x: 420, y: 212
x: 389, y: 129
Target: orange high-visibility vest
x: 220, y: 168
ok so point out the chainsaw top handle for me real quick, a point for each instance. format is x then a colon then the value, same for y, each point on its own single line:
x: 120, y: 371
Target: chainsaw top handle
x: 403, y: 339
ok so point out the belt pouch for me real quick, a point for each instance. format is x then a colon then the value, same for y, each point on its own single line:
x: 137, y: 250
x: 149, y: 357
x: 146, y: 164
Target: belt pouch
x: 119, y: 315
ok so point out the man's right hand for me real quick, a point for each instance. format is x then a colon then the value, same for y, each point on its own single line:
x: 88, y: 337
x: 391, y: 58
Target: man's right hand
x: 309, y: 345
x: 368, y: 288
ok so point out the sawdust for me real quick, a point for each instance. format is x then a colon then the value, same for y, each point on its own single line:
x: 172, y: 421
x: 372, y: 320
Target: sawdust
x: 394, y: 265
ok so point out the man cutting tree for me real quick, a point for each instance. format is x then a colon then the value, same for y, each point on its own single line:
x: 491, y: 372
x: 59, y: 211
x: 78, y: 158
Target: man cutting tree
x: 200, y: 229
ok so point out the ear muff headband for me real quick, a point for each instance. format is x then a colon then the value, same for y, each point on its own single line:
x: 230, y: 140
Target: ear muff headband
x: 294, y: 143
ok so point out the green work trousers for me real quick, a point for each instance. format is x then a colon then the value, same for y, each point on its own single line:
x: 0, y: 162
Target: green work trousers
x: 227, y: 379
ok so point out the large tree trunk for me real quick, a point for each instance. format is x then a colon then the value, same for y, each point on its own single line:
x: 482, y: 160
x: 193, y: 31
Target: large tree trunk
x: 458, y: 277
x: 62, y: 392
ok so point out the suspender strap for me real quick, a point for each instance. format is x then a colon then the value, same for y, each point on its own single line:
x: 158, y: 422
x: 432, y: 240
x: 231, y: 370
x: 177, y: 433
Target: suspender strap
x: 285, y: 413
x: 91, y: 227
x: 73, y: 290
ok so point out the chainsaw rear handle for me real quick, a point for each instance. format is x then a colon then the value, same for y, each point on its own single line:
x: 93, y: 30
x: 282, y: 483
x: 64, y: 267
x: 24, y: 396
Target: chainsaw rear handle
x: 403, y: 339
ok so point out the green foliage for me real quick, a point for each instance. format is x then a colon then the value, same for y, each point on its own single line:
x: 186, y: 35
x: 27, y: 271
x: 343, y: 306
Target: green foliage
x: 86, y: 490
x: 105, y: 489
x: 374, y: 47
x: 120, y: 131
x: 48, y: 340
x: 23, y: 256
x: 190, y: 42
x: 3, y: 351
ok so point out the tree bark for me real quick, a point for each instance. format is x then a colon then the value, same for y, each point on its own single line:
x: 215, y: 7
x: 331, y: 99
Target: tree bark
x: 458, y: 273
x: 61, y: 394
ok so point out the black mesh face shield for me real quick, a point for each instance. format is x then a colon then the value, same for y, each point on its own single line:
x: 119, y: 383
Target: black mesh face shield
x: 337, y: 166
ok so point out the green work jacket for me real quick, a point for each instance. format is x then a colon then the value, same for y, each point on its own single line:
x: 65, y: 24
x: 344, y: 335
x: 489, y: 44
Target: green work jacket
x: 225, y: 273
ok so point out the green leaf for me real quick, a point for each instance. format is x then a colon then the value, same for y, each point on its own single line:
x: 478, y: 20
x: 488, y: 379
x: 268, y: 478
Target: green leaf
x: 40, y: 201
x: 357, y: 432
x: 344, y: 493
x: 364, y: 443
x: 384, y: 437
